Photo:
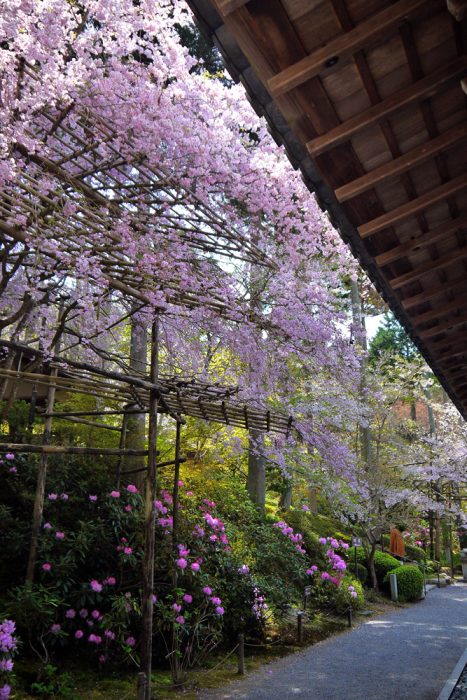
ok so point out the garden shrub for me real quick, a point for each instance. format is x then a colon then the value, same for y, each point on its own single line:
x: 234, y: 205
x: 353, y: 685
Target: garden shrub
x: 361, y: 573
x: 409, y: 582
x: 343, y: 597
x: 384, y: 563
x: 414, y: 552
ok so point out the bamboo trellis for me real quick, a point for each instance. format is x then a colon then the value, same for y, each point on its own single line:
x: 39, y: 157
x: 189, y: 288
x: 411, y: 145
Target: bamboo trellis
x: 67, y: 202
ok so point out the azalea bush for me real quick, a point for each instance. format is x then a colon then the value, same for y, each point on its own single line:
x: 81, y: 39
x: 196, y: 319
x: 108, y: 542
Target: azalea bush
x: 8, y: 647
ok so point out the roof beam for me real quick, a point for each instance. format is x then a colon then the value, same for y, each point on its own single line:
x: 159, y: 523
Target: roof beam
x: 447, y: 342
x: 455, y: 305
x: 448, y: 189
x: 400, y: 165
x: 449, y: 354
x: 446, y: 325
x: 343, y: 46
x: 226, y: 7
x: 428, y: 294
x: 430, y: 266
x: 426, y: 87
x: 434, y: 236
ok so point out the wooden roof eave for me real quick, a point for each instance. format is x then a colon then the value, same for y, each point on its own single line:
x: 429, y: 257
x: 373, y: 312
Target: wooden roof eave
x: 215, y: 23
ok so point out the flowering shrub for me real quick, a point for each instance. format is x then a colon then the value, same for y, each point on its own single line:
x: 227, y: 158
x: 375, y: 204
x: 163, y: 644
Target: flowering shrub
x: 7, y: 650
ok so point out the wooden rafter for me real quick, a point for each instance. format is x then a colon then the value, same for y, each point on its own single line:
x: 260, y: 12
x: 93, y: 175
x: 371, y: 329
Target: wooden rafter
x: 444, y: 230
x: 432, y: 292
x: 414, y: 206
x: 403, y: 163
x: 421, y: 89
x: 455, y: 305
x: 344, y: 46
x: 445, y: 325
x: 431, y: 266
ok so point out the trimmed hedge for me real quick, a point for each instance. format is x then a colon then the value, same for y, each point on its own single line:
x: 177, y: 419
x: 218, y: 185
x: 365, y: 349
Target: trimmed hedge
x: 384, y: 563
x: 416, y: 553
x: 409, y: 582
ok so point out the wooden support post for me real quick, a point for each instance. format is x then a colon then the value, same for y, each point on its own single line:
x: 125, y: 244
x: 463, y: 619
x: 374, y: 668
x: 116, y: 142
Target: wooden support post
x: 300, y: 627
x: 241, y: 654
x: 121, y: 459
x: 40, y: 483
x: 144, y: 677
x: 175, y: 661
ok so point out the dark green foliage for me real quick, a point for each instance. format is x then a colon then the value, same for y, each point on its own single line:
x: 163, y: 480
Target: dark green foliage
x: 409, y: 582
x: 384, y: 563
x: 361, y: 572
x: 414, y: 552
x: 391, y: 339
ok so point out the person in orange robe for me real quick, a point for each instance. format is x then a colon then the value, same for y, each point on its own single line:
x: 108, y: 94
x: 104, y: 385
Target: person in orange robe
x: 396, y: 543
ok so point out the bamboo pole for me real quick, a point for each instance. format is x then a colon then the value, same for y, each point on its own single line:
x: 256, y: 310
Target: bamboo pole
x: 48, y: 449
x: 175, y: 502
x: 144, y: 677
x: 41, y: 480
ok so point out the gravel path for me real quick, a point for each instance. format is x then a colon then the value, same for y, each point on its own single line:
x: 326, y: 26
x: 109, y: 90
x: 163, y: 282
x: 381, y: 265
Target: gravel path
x: 407, y: 654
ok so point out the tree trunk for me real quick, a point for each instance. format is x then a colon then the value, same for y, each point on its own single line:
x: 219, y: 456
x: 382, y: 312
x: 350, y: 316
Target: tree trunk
x: 371, y: 567
x: 285, y: 500
x: 136, y: 422
x: 256, y: 482
x: 313, y: 500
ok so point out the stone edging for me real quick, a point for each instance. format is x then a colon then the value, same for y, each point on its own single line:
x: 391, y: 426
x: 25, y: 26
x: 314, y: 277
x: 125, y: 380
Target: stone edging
x: 448, y: 688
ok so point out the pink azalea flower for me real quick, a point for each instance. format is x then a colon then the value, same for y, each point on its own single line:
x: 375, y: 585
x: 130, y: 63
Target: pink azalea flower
x: 55, y: 629
x: 128, y: 508
x: 47, y: 526
x: 131, y: 641
x: 195, y: 567
x: 9, y: 455
x: 94, y: 639
x: 111, y: 581
x: 79, y: 634
x: 215, y: 600
x: 92, y: 497
x: 322, y: 540
x: 70, y: 614
x: 305, y: 508
x: 325, y: 576
x: 180, y: 483
x: 60, y: 535
x: 12, y: 470
x: 83, y: 613
x: 207, y: 590
x: 188, y: 598
x: 109, y: 634
x: 128, y: 550
x: 115, y: 494
x: 52, y: 496
x: 180, y: 619
x: 95, y: 614
x: 131, y: 488
x: 182, y: 563
x: 96, y: 586
x: 64, y: 496
x: 177, y: 607
x: 46, y: 566
x: 219, y: 610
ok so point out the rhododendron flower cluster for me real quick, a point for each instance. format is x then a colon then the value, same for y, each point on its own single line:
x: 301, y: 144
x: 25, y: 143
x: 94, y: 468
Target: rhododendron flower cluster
x: 287, y: 531
x: 8, y: 644
x: 259, y: 607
